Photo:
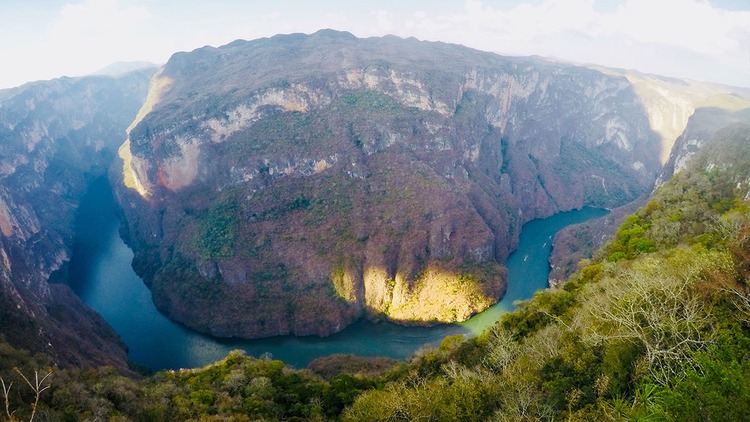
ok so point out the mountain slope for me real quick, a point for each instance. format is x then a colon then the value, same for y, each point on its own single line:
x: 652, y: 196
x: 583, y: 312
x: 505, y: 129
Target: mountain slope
x: 717, y: 113
x: 670, y: 102
x: 55, y: 135
x: 657, y: 327
x: 712, y: 114
x: 315, y: 179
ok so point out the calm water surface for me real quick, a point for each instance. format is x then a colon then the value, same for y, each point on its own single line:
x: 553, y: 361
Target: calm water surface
x: 100, y: 273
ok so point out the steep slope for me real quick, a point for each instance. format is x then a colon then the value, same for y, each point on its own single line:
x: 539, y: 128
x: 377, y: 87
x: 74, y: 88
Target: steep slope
x: 717, y: 113
x: 294, y: 184
x: 670, y: 102
x: 656, y: 328
x: 712, y: 114
x: 54, y: 135
x: 684, y: 113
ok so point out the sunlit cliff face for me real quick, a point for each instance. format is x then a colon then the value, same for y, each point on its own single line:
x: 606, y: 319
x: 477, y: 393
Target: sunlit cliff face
x: 434, y: 296
x: 135, y: 170
x: 129, y: 177
x: 180, y: 169
x: 6, y: 225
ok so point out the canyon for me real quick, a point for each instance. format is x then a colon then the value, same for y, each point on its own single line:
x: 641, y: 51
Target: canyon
x: 298, y: 183
x: 56, y: 135
x: 294, y: 184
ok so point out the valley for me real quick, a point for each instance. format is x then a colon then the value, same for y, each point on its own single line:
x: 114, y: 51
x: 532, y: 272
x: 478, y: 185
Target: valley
x: 381, y: 211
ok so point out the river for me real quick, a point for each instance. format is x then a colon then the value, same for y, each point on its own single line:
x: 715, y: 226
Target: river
x: 101, y: 274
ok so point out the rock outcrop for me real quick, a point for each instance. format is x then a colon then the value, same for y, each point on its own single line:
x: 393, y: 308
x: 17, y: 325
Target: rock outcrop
x: 55, y: 136
x: 296, y: 183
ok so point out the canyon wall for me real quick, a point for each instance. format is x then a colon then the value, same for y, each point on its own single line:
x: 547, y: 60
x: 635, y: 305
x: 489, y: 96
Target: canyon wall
x: 56, y: 135
x: 293, y: 184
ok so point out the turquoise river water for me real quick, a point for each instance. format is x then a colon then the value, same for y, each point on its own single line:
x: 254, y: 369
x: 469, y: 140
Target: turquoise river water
x: 100, y: 273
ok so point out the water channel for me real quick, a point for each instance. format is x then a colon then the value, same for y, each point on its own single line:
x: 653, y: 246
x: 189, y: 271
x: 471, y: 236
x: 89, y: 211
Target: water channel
x: 100, y: 273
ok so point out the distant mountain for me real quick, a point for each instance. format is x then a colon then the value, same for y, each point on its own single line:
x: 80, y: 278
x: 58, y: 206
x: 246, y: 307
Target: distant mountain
x: 315, y: 179
x: 714, y: 114
x: 121, y: 68
x: 669, y: 102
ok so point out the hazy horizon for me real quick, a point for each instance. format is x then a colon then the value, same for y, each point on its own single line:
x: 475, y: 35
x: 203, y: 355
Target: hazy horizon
x: 692, y: 39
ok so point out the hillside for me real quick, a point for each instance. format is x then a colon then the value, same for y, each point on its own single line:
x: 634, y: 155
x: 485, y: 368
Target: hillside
x: 317, y: 179
x: 656, y: 327
x: 669, y: 103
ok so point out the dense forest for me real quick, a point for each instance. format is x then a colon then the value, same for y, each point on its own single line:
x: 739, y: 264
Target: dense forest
x: 656, y: 326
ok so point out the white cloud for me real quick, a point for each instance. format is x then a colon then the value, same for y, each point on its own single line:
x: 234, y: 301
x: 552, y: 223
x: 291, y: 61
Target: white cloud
x: 89, y: 35
x: 690, y: 25
x: 98, y: 18
x: 384, y: 21
x: 634, y: 34
x: 687, y: 38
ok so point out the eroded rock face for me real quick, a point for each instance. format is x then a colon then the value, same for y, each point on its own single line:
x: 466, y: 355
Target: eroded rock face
x: 297, y: 183
x: 720, y: 117
x: 701, y: 128
x: 54, y: 135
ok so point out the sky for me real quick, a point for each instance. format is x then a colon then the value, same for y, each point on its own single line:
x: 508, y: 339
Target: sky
x: 698, y: 39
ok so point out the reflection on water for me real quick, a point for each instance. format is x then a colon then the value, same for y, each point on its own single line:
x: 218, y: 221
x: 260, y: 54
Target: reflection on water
x: 100, y: 273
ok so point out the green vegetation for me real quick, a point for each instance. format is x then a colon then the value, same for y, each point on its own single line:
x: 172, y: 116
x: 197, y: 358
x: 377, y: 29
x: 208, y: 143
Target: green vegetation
x: 218, y: 226
x: 629, y: 240
x: 236, y: 388
x: 373, y: 101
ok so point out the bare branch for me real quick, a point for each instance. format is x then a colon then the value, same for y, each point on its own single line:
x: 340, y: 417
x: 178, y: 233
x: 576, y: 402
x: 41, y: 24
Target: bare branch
x: 6, y: 396
x: 37, y: 387
x: 655, y: 305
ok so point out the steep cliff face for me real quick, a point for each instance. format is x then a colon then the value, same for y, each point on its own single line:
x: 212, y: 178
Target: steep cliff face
x: 669, y: 102
x: 294, y: 184
x: 54, y: 135
x: 716, y: 117
x: 718, y: 112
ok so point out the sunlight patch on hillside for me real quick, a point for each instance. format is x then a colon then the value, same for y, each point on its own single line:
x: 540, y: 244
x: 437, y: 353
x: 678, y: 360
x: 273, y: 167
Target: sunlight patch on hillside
x: 129, y: 177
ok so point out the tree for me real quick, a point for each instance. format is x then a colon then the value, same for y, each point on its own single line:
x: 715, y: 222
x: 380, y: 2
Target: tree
x: 655, y: 303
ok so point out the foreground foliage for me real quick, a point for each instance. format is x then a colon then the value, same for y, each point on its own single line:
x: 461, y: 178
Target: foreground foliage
x: 655, y: 327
